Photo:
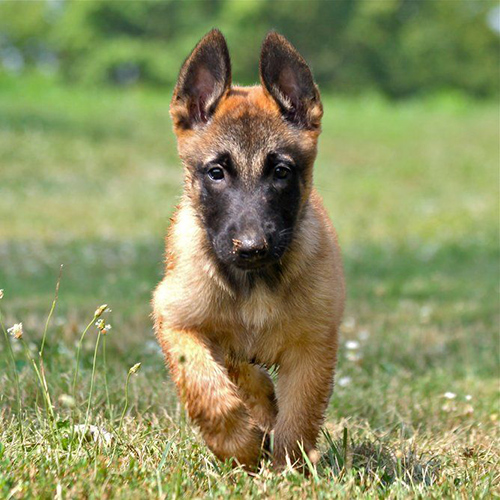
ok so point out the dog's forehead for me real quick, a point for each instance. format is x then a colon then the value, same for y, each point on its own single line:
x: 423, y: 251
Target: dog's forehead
x: 248, y: 125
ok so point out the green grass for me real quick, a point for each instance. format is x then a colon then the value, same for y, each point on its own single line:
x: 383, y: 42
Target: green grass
x: 89, y: 179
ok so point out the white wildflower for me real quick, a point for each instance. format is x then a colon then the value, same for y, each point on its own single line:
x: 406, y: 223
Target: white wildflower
x: 449, y: 395
x: 468, y: 397
x: 67, y: 400
x: 102, y: 327
x: 16, y: 331
x: 352, y: 345
x: 93, y: 433
x: 344, y: 381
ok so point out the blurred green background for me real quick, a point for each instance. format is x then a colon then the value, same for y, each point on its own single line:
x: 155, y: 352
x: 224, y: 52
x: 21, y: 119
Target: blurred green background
x: 397, y: 47
x: 408, y: 167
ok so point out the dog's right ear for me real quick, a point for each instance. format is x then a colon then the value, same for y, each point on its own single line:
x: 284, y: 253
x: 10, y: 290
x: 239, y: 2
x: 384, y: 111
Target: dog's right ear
x: 204, y: 78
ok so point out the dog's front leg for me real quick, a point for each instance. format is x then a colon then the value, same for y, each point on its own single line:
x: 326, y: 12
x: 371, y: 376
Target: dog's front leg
x: 305, y: 382
x: 211, y: 398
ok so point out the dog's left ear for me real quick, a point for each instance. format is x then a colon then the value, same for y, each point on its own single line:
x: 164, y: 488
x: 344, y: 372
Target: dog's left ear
x: 287, y: 78
x: 204, y: 78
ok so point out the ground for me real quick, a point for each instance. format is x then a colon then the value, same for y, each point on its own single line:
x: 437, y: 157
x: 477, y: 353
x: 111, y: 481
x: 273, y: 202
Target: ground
x: 89, y: 179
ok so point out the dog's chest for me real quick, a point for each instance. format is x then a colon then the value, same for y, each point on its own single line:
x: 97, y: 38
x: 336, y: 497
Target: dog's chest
x: 260, y: 325
x: 259, y: 311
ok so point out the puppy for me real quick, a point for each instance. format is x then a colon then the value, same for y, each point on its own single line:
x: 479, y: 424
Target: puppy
x: 253, y: 275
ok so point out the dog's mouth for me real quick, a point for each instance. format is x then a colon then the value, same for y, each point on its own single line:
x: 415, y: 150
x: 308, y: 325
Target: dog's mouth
x: 252, y: 265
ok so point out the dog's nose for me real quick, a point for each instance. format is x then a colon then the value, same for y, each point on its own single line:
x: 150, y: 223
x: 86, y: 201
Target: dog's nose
x: 250, y: 249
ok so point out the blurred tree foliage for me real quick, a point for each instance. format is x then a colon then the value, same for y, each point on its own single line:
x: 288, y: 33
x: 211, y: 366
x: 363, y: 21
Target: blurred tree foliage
x: 398, y: 47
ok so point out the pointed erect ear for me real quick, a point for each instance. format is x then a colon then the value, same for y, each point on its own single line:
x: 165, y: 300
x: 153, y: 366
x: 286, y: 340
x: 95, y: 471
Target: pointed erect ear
x: 287, y: 78
x: 204, y: 78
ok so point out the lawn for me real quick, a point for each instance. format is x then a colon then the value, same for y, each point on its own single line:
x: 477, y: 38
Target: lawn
x: 89, y: 178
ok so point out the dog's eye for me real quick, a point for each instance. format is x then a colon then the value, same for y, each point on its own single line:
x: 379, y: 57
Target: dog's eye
x: 281, y: 172
x: 216, y: 173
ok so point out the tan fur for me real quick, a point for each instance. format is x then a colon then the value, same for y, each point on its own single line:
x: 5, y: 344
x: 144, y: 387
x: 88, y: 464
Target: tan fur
x: 215, y: 340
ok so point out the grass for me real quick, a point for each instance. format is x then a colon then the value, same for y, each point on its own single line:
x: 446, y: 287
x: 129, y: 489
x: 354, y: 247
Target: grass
x: 89, y: 179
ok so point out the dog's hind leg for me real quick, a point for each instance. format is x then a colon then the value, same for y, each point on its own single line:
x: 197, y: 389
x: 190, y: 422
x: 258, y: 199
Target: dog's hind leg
x: 257, y: 390
x: 212, y: 399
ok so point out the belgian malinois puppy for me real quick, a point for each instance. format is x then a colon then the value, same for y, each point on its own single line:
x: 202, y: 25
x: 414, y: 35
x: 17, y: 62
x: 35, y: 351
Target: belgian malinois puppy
x: 253, y: 273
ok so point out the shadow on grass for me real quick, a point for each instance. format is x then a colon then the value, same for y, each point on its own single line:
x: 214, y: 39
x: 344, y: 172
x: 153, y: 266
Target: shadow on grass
x: 372, y: 461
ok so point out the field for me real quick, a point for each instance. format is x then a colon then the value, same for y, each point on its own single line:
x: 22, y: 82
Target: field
x: 89, y: 178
